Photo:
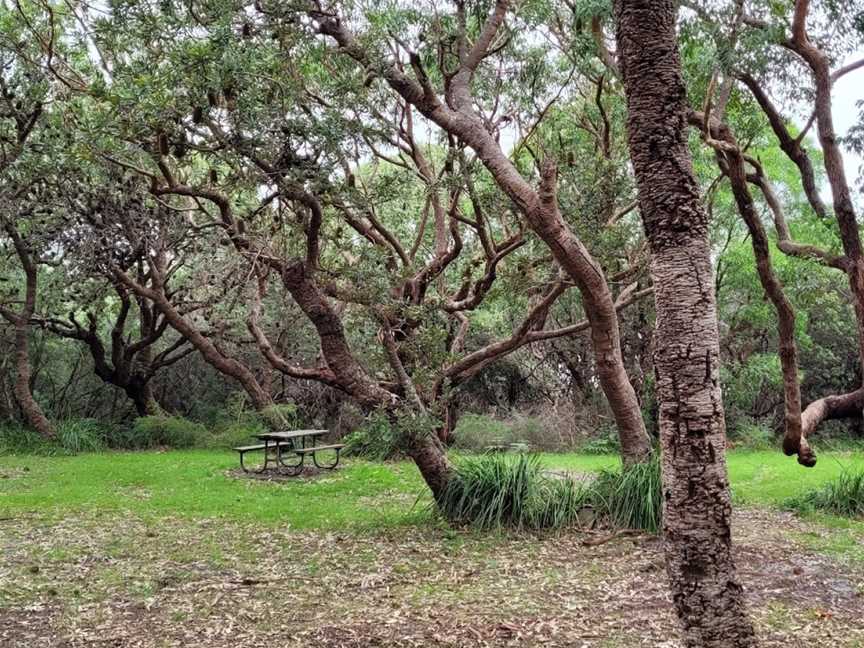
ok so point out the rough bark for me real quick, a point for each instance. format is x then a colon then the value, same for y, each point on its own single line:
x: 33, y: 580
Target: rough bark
x: 20, y: 322
x: 708, y: 598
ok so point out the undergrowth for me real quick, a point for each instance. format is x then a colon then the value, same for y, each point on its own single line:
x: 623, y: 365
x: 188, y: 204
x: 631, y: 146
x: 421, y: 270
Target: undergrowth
x: 514, y: 491
x: 844, y: 495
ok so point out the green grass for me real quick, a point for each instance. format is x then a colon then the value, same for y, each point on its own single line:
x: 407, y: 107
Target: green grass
x: 193, y: 483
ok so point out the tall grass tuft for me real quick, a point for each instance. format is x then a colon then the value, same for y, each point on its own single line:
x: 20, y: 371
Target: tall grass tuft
x: 80, y: 435
x: 841, y: 496
x: 631, y: 497
x: 496, y: 491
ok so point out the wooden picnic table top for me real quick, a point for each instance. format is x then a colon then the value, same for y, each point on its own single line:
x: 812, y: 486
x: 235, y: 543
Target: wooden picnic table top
x: 290, y: 434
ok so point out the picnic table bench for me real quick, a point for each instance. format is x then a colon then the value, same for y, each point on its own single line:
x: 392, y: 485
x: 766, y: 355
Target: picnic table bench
x: 294, y: 443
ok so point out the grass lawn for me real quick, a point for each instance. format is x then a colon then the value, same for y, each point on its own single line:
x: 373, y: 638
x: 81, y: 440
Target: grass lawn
x: 197, y: 484
x: 158, y: 550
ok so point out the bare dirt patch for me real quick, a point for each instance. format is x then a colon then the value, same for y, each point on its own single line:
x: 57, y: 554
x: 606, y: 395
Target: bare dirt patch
x: 114, y: 580
x: 282, y: 475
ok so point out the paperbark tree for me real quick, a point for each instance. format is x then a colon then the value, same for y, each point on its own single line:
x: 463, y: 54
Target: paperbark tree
x: 697, y: 510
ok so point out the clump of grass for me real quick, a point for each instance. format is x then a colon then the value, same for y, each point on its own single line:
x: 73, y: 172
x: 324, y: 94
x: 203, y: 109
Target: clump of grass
x: 162, y: 430
x: 80, y: 435
x: 16, y: 438
x: 513, y: 491
x: 843, y: 496
x: 629, y: 498
x: 496, y: 491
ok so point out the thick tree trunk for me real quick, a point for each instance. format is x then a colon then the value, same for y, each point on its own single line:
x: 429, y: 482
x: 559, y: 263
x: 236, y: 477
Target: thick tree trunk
x: 141, y: 394
x: 431, y: 459
x: 32, y: 412
x: 708, y: 597
x: 21, y: 323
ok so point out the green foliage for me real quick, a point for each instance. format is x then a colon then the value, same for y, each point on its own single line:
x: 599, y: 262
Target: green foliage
x: 16, y: 438
x: 171, y: 431
x: 281, y: 416
x: 753, y: 436
x: 74, y: 436
x: 81, y: 435
x: 495, y: 491
x: 476, y: 431
x: 607, y: 442
x: 375, y: 439
x: 629, y: 498
x: 234, y: 433
x: 844, y: 495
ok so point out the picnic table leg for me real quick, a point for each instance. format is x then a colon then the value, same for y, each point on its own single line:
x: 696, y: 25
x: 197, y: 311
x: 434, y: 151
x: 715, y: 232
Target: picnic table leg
x: 327, y: 467
x: 296, y: 468
x: 266, y: 457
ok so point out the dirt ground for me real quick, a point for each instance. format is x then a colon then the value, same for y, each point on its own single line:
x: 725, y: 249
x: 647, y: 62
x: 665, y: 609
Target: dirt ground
x: 114, y: 581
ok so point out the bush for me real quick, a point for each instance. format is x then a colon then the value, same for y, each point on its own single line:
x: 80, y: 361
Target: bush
x: 171, y: 431
x: 16, y: 438
x: 754, y: 437
x: 233, y: 433
x: 375, y: 439
x: 535, y: 433
x: 604, y: 443
x: 476, y: 432
x: 629, y: 498
x: 841, y: 496
x: 73, y: 436
x: 81, y: 435
x: 281, y: 416
x: 495, y: 491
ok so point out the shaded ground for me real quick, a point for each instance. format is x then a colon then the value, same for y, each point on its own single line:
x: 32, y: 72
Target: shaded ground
x: 126, y: 580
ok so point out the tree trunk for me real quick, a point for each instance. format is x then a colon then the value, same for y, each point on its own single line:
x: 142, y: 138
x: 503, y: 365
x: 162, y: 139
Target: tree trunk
x: 793, y: 440
x: 211, y: 354
x: 141, y: 394
x: 431, y: 459
x: 696, y: 518
x: 457, y: 117
x: 21, y: 323
x: 32, y: 412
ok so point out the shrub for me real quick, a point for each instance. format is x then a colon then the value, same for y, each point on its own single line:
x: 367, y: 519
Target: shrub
x: 495, y: 491
x: 16, y: 438
x: 281, y: 416
x: 171, y: 431
x: 629, y: 498
x: 476, y: 432
x: 375, y: 439
x: 841, y: 496
x: 606, y: 442
x: 754, y: 437
x: 535, y: 433
x: 81, y: 435
x: 233, y: 433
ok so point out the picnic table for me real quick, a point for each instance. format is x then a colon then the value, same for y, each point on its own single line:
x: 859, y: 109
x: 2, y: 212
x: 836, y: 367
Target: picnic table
x: 297, y: 444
